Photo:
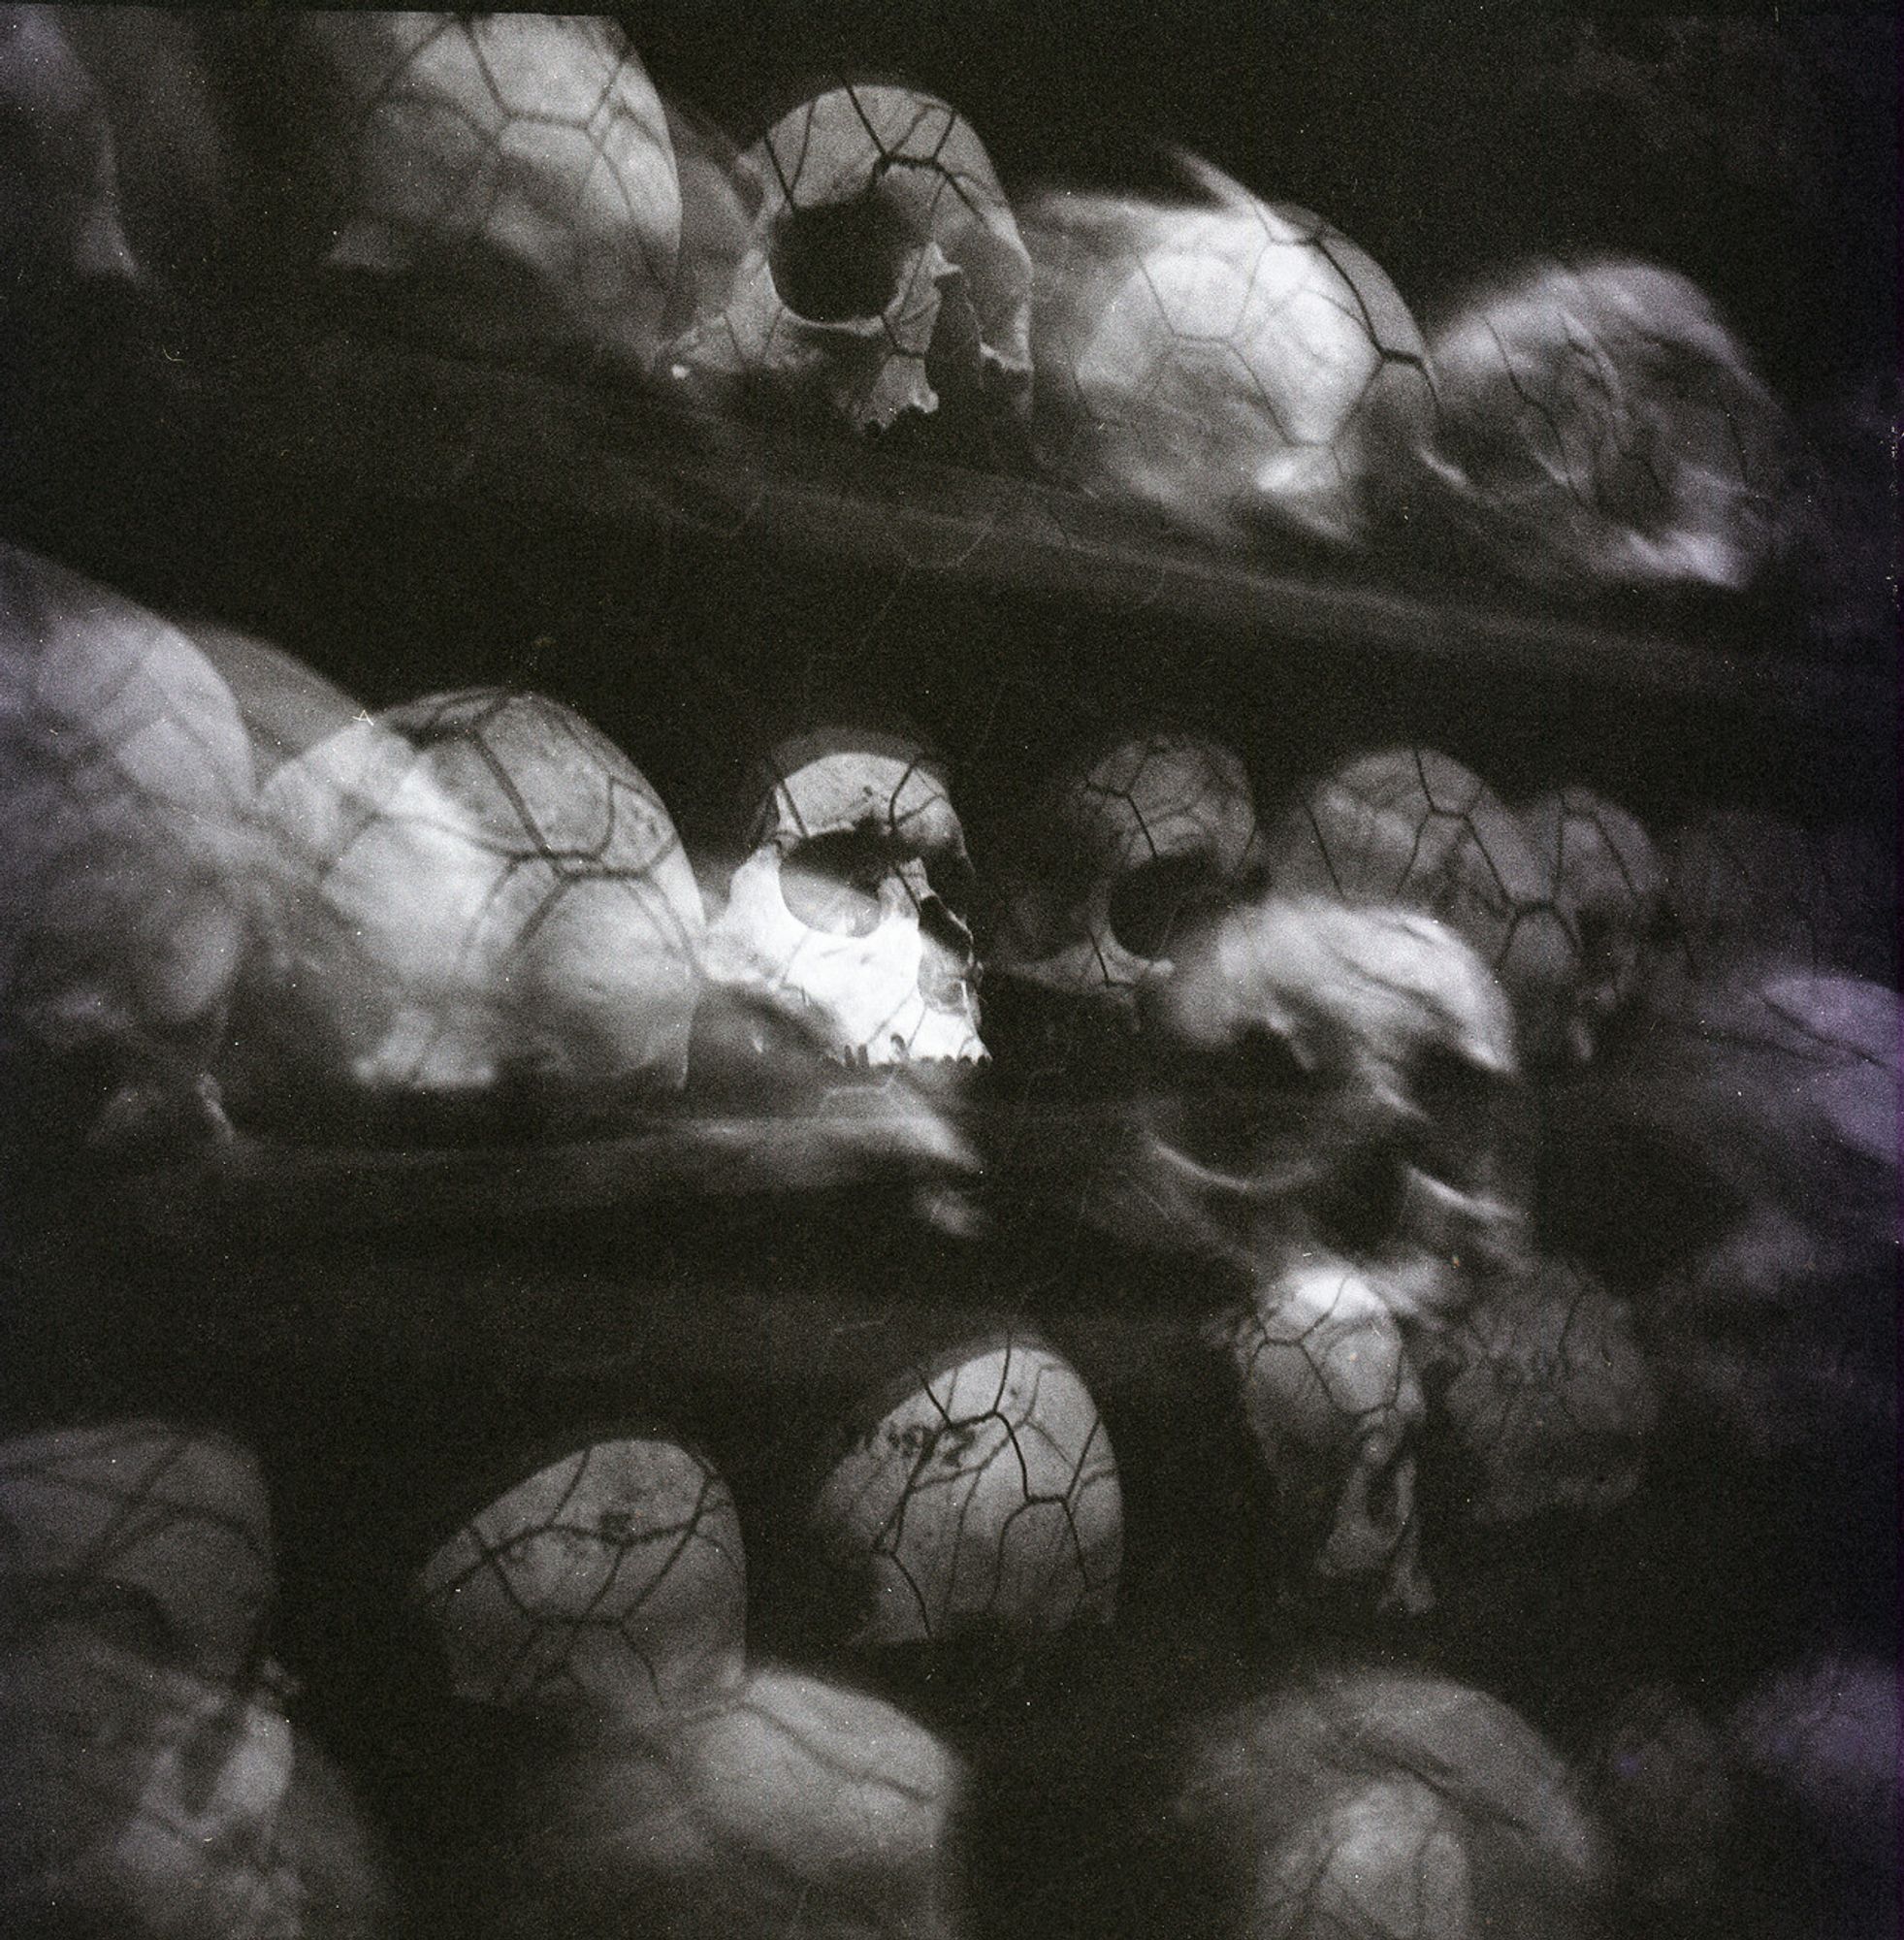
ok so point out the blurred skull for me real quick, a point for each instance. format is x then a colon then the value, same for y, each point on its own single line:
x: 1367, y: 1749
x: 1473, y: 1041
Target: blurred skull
x: 1603, y: 430
x: 850, y: 913
x: 1348, y: 1078
x: 883, y: 267
x: 1228, y: 360
x: 1608, y: 879
x: 1333, y: 1399
x: 1115, y: 863
x: 474, y: 901
x: 1413, y: 827
x: 984, y: 1502
x: 610, y: 1584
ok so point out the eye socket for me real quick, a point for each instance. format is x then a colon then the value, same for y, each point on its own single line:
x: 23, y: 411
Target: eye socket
x: 1157, y: 904
x: 832, y: 883
x: 839, y: 261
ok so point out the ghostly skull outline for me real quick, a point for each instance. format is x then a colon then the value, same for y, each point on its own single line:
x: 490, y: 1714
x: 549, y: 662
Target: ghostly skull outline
x: 883, y: 263
x: 1124, y: 848
x: 848, y: 914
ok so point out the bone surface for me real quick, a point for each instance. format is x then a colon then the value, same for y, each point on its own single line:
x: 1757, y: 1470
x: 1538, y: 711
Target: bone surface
x: 884, y: 264
x: 1230, y: 361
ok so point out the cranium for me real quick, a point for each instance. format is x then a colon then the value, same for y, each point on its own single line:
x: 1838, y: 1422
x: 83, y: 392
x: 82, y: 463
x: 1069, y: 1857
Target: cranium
x: 168, y: 1529
x: 884, y: 266
x: 1608, y: 879
x: 1334, y: 1401
x: 1601, y: 429
x: 1120, y: 857
x: 1413, y: 827
x: 475, y: 899
x: 123, y: 850
x: 1228, y: 360
x: 1346, y: 1074
x: 611, y: 1583
x: 849, y: 913
x: 983, y: 1501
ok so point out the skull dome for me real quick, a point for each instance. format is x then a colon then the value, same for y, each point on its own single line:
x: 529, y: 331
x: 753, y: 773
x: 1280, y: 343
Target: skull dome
x: 850, y: 913
x: 1601, y: 429
x: 612, y: 1583
x: 1334, y: 1401
x: 1227, y: 360
x: 124, y: 847
x: 884, y: 266
x: 1349, y: 1072
x: 1121, y: 855
x: 474, y: 899
x: 1609, y: 881
x: 983, y: 1501
x: 1413, y: 827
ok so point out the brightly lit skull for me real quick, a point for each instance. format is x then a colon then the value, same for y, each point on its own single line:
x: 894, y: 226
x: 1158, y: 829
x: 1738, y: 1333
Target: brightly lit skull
x: 1334, y: 1401
x: 611, y: 1583
x: 1121, y: 857
x: 1414, y: 827
x: 1228, y: 360
x: 883, y: 269
x: 473, y: 901
x: 1601, y: 429
x: 1608, y: 879
x: 1348, y: 1080
x: 983, y: 1500
x: 849, y: 916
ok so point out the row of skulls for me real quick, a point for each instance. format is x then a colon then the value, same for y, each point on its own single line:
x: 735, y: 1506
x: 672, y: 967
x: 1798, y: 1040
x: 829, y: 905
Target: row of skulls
x: 1294, y: 1057
x: 516, y: 184
x: 591, y: 1741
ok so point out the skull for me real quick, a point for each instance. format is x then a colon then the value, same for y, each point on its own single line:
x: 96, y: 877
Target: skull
x: 170, y: 1530
x: 1333, y: 1399
x: 984, y: 1501
x: 474, y: 901
x: 1547, y: 1395
x: 501, y: 177
x: 1601, y: 429
x: 1348, y: 1079
x: 883, y: 264
x: 1122, y: 856
x: 849, y: 914
x: 123, y: 851
x: 793, y: 1806
x: 1608, y: 879
x: 1410, y: 826
x: 1227, y: 360
x: 611, y: 1583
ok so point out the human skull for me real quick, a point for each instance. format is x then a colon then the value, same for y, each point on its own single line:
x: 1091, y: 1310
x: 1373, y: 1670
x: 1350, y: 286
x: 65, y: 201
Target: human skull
x: 473, y: 901
x: 1546, y: 1394
x: 1601, y: 429
x: 1413, y: 827
x: 791, y: 1806
x: 1608, y: 878
x: 884, y: 266
x: 849, y: 913
x: 611, y: 1583
x: 124, y: 850
x: 1119, y: 857
x: 1333, y: 1401
x: 1348, y: 1080
x: 168, y: 1527
x: 982, y: 1502
x: 1228, y: 360
x: 503, y: 176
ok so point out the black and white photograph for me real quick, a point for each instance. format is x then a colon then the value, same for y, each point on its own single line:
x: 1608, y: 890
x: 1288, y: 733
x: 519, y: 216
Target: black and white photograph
x: 949, y: 972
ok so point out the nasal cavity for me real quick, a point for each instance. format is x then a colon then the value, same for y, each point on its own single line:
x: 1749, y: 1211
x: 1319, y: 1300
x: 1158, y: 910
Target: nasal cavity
x: 840, y: 261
